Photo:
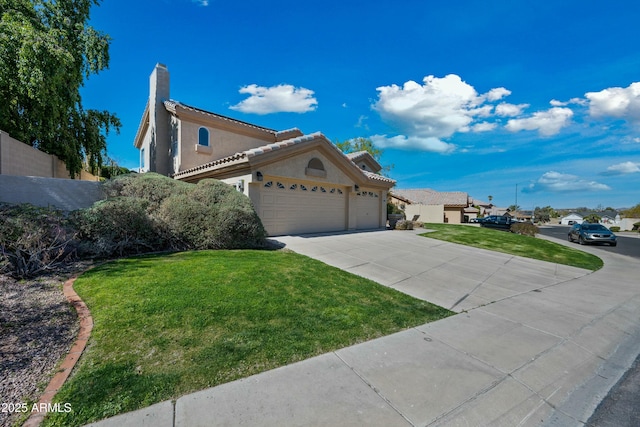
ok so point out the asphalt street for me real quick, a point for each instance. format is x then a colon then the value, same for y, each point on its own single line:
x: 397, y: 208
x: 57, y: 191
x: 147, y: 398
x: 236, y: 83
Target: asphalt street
x: 629, y: 246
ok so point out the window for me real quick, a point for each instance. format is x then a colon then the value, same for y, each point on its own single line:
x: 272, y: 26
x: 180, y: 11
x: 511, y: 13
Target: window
x: 143, y: 160
x: 315, y: 163
x: 315, y: 168
x: 203, y: 137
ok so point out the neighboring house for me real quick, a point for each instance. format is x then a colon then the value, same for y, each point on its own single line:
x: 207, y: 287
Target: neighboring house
x: 434, y: 206
x: 484, y: 208
x: 572, y: 218
x: 298, y: 183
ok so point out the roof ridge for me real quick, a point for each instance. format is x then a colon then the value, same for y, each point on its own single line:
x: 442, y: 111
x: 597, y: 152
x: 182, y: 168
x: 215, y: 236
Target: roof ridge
x: 172, y: 103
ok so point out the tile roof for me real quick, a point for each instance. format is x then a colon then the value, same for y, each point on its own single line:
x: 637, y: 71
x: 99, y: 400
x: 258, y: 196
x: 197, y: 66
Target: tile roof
x: 427, y: 196
x: 254, y: 152
x: 357, y: 155
x: 171, y: 105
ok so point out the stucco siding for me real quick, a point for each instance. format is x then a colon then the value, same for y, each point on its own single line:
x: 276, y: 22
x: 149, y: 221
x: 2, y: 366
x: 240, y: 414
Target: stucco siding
x: 296, y: 167
x: 222, y: 143
x: 427, y: 213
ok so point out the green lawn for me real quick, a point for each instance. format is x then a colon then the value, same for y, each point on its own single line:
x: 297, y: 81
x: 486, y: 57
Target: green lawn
x: 514, y: 244
x: 172, y: 324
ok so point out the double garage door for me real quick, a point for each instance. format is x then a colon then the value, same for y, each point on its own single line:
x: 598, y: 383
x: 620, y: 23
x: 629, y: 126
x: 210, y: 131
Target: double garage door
x: 296, y: 208
x: 288, y: 207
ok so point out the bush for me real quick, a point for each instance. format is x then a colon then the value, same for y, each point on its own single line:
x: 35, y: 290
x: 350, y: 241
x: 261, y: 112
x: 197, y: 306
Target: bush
x: 118, y: 227
x: 636, y: 227
x: 615, y: 228
x: 525, y: 228
x: 404, y: 224
x: 33, y: 239
x: 152, y: 187
x: 211, y: 215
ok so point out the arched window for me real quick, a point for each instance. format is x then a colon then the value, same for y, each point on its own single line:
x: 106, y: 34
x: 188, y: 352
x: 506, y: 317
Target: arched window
x: 315, y: 168
x: 203, y: 137
x: 315, y: 163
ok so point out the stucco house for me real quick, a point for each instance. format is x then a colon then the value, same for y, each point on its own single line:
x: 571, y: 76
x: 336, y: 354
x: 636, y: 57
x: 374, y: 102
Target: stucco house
x: 298, y: 183
x: 434, y: 206
x: 572, y: 218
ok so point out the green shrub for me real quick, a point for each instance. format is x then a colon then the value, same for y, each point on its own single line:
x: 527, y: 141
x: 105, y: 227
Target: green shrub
x: 525, y: 228
x: 118, y: 227
x: 33, y: 239
x: 636, y: 227
x: 152, y: 187
x: 615, y: 228
x: 211, y: 215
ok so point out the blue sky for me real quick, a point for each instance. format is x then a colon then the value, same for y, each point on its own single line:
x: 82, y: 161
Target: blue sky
x: 534, y: 100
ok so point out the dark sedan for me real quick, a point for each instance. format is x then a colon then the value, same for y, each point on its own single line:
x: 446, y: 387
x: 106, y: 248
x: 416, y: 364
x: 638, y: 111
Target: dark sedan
x: 497, y: 221
x: 591, y: 233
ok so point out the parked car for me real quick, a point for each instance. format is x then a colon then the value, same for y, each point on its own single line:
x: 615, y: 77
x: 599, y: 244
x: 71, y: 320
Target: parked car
x: 497, y: 221
x: 591, y: 233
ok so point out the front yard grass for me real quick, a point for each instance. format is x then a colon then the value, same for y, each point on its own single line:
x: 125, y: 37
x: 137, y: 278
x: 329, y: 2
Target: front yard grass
x: 168, y: 325
x: 514, y: 244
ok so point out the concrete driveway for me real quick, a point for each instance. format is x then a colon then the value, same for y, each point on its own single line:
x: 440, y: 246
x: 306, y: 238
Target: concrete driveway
x: 533, y: 344
x: 456, y: 277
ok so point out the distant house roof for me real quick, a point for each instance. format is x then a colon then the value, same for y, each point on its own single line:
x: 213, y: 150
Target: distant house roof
x: 432, y: 197
x: 479, y: 202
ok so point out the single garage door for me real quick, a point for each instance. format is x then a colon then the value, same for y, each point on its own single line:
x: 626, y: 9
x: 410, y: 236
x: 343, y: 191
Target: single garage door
x: 368, y: 210
x: 297, y: 208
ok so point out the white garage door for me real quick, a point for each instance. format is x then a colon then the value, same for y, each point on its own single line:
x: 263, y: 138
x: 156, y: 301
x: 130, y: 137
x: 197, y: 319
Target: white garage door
x: 296, y: 208
x: 368, y: 210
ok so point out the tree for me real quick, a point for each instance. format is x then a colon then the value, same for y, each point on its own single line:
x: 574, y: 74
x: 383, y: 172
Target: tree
x: 363, y: 144
x: 544, y: 214
x: 47, y: 50
x: 592, y: 218
x: 634, y: 212
x: 513, y: 208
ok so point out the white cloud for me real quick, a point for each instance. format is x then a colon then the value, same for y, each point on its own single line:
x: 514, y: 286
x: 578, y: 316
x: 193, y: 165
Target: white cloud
x: 201, y: 2
x: 412, y: 143
x: 578, y: 101
x: 510, y: 110
x: 623, y: 103
x: 497, y: 94
x: 547, y: 123
x: 483, y: 127
x: 427, y: 113
x: 276, y: 99
x: 623, y: 168
x: 557, y: 182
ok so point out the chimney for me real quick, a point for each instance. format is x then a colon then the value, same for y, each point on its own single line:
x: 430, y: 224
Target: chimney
x: 159, y: 121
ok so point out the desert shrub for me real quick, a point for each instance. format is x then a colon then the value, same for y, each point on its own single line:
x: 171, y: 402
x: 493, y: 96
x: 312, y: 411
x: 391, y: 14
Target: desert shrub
x: 152, y: 187
x: 525, y: 228
x: 404, y: 224
x: 615, y: 228
x: 117, y: 227
x: 211, y: 215
x: 33, y: 239
x: 636, y: 227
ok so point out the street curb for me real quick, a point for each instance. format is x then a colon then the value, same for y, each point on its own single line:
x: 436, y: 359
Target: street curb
x: 64, y: 370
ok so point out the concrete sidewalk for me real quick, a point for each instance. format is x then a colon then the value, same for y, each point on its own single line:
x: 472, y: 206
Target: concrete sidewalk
x: 533, y: 344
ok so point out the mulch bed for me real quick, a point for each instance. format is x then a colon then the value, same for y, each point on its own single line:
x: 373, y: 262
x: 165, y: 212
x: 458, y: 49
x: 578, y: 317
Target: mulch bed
x: 37, y: 328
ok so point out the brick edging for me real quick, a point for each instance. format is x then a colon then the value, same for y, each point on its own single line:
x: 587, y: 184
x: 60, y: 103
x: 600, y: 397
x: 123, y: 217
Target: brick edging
x: 64, y: 370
